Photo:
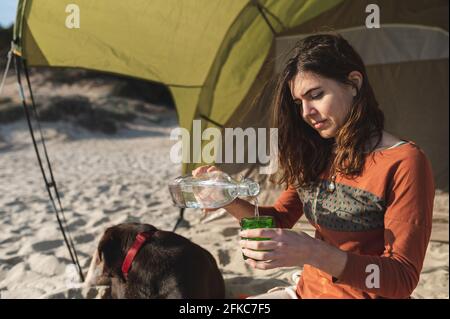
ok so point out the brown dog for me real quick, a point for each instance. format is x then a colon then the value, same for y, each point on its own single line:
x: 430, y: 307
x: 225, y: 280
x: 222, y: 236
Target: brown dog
x: 167, y: 265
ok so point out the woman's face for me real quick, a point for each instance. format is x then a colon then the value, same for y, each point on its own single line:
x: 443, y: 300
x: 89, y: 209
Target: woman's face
x: 323, y: 103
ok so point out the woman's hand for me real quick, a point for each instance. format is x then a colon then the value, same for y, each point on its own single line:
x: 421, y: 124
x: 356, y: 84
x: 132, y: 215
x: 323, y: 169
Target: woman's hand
x: 203, y: 170
x: 238, y: 208
x: 286, y: 248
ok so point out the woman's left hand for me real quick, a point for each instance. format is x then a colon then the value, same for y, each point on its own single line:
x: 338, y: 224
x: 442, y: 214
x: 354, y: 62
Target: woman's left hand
x: 285, y: 248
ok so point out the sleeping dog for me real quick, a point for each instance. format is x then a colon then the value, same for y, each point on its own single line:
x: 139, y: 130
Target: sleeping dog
x: 140, y: 261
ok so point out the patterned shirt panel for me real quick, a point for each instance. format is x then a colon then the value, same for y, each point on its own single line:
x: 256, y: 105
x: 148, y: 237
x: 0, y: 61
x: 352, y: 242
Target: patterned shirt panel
x: 347, y: 209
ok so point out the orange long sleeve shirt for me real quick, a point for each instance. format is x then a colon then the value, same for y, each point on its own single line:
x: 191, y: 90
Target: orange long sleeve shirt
x: 382, y: 219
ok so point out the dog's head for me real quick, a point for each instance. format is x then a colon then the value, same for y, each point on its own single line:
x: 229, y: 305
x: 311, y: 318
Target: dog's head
x: 112, y: 249
x: 167, y: 265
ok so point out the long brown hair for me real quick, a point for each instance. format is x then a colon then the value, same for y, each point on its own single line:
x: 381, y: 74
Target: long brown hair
x: 303, y: 153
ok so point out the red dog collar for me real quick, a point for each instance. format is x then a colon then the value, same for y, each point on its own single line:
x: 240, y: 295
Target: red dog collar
x: 141, y: 238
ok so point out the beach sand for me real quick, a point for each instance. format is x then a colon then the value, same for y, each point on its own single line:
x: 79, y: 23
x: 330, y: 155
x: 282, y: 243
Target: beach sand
x: 105, y: 180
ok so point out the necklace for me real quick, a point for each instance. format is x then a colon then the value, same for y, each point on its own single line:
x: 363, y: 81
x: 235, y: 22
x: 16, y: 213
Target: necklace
x: 332, y: 185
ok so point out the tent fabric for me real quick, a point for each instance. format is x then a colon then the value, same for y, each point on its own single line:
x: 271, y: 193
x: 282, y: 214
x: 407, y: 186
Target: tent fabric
x: 416, y: 107
x: 352, y: 13
x: 160, y: 42
x: 211, y: 45
x: 401, y: 43
x: 219, y: 58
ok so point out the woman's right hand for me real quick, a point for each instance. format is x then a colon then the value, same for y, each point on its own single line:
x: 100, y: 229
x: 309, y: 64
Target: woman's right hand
x: 202, y: 170
x: 238, y: 208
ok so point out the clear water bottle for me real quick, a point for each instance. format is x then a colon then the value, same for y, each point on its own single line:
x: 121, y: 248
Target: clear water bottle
x: 210, y: 190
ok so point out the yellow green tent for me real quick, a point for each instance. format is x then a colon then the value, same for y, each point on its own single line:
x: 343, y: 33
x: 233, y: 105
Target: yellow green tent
x: 216, y: 56
x: 207, y: 52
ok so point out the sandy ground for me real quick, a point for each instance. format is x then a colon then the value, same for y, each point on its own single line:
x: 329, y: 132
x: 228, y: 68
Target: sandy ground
x: 106, y: 180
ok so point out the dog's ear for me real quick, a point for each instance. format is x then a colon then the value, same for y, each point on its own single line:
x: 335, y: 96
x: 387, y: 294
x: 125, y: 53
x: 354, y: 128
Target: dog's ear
x: 114, y: 244
x: 110, y: 252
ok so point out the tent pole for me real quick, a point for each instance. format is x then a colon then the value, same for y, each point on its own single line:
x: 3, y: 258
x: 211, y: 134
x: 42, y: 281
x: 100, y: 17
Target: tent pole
x: 210, y: 120
x: 179, y: 220
x: 48, y: 184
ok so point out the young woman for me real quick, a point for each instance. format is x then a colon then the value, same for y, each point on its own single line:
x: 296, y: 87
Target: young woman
x: 368, y: 194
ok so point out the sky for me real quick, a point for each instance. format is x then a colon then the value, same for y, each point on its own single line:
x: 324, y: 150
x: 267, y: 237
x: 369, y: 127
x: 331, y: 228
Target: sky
x: 7, y: 12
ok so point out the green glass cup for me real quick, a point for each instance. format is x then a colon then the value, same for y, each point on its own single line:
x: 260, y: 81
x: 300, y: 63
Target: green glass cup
x: 256, y: 222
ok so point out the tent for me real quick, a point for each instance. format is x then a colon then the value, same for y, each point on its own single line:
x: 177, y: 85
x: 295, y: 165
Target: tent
x: 216, y: 57
x: 219, y: 58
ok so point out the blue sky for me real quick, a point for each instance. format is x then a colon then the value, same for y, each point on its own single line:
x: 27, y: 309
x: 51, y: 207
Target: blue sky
x: 7, y: 12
